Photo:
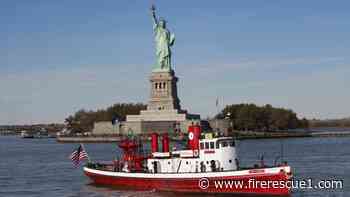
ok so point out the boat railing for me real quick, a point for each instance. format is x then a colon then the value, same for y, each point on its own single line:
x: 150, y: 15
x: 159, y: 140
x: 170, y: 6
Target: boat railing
x: 110, y: 167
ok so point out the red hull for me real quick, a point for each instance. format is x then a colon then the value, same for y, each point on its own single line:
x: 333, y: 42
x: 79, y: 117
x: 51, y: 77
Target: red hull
x: 191, y: 185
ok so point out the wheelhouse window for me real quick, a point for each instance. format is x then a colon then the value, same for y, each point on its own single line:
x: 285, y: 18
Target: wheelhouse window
x: 202, y: 145
x: 227, y: 143
x: 212, y: 145
x: 217, y: 145
x: 207, y: 145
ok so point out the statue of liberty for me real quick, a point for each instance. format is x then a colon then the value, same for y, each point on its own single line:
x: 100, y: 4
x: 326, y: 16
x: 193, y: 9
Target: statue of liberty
x: 164, y: 40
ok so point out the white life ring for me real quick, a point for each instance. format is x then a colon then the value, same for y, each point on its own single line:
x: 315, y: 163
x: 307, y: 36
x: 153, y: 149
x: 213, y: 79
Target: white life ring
x: 190, y: 136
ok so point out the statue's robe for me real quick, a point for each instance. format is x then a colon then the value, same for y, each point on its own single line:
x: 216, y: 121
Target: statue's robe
x: 163, y: 40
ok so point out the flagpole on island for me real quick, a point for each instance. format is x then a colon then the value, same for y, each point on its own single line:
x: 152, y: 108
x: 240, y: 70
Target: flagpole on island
x: 217, y: 113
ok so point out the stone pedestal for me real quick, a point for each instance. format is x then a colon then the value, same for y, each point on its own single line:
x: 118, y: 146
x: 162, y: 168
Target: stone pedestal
x: 158, y: 115
x: 163, y: 110
x: 163, y: 92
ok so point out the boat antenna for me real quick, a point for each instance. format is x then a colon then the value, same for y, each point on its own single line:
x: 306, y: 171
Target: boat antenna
x: 282, y: 151
x: 281, y: 155
x: 262, y: 163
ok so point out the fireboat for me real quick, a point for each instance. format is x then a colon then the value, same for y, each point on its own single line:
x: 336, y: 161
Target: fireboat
x: 208, y: 165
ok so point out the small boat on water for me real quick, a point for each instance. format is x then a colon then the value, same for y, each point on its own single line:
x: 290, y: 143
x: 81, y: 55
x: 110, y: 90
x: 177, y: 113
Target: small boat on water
x: 42, y: 133
x: 208, y: 165
x: 27, y: 134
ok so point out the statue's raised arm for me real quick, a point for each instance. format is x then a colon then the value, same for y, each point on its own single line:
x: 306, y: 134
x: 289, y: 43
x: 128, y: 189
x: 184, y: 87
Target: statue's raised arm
x: 163, y: 41
x: 154, y: 18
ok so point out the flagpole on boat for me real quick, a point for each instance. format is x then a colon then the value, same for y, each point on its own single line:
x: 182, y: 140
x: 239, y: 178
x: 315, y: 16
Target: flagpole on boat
x: 82, y: 145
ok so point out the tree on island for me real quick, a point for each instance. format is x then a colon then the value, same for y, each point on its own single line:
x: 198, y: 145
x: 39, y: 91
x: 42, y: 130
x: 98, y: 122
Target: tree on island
x: 243, y: 116
x: 265, y: 118
x: 335, y: 123
x: 83, y: 121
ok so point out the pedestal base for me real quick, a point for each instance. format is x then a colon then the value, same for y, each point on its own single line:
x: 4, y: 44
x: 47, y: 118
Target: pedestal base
x: 160, y: 121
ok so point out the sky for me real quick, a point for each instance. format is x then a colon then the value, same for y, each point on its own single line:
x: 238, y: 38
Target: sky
x: 57, y: 57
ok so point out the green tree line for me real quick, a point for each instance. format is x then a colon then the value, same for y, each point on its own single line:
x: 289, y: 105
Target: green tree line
x: 243, y: 117
x: 83, y: 120
x: 340, y: 123
x: 262, y: 118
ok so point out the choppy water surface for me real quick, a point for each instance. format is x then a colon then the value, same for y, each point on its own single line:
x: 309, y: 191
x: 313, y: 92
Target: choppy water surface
x: 40, y: 167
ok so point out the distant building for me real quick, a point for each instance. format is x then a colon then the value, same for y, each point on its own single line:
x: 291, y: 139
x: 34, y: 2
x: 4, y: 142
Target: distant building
x: 106, y: 127
x: 223, y: 125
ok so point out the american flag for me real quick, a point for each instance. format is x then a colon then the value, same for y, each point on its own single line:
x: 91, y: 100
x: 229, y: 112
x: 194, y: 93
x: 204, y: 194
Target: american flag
x: 78, y: 155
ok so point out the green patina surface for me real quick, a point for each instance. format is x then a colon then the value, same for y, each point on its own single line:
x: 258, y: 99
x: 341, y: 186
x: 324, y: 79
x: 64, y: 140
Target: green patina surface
x: 163, y: 41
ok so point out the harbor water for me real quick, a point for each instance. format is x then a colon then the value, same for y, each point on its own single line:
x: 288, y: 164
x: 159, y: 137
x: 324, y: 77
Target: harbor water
x: 41, y: 167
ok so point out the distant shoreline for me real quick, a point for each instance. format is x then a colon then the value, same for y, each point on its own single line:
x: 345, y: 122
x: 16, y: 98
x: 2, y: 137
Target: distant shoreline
x: 238, y: 136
